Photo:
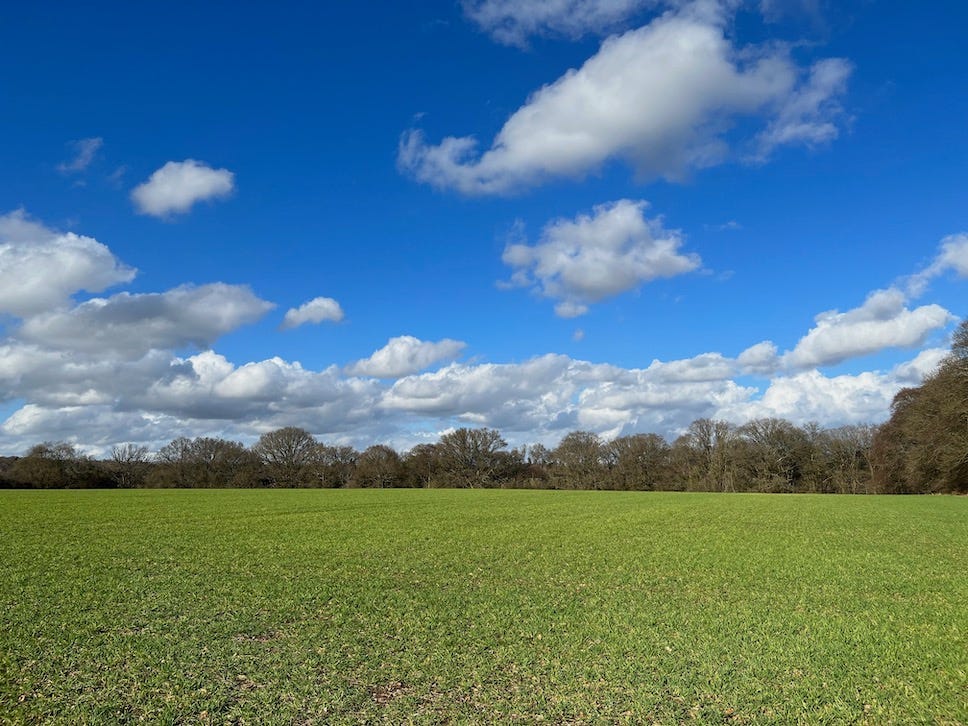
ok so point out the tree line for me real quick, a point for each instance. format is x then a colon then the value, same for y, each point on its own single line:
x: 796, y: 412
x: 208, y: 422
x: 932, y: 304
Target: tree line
x: 922, y: 448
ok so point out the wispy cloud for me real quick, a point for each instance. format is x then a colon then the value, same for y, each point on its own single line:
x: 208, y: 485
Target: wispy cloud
x: 84, y: 152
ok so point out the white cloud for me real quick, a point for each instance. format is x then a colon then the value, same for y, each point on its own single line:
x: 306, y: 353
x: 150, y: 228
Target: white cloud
x: 812, y: 396
x: 317, y: 310
x: 178, y: 185
x: 759, y: 359
x: 99, y: 400
x: 952, y: 255
x: 40, y: 268
x: 881, y: 322
x: 131, y: 324
x: 404, y: 355
x: 598, y: 256
x: 84, y: 152
x: 912, y: 372
x: 512, y: 22
x: 808, y: 115
x: 662, y: 98
x: 110, y: 370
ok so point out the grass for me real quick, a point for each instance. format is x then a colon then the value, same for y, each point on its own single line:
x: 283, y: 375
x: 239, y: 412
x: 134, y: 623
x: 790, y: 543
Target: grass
x: 432, y: 606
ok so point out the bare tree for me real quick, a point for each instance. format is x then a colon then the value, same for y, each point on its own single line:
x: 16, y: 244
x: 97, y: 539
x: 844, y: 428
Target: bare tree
x: 129, y: 464
x: 640, y: 461
x: 379, y: 466
x: 471, y: 457
x: 577, y: 461
x: 290, y: 455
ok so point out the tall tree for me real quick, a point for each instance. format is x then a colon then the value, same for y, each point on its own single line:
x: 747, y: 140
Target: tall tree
x: 290, y: 456
x: 471, y: 457
x: 924, y: 445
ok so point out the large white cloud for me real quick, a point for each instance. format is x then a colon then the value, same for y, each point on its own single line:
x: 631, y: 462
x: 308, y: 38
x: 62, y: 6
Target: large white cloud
x: 177, y: 186
x: 40, y: 268
x: 317, y: 310
x: 404, y: 355
x: 661, y: 97
x: 883, y: 321
x: 582, y: 261
x: 131, y: 324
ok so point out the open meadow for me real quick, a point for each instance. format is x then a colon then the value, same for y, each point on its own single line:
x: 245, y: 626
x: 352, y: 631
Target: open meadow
x: 470, y: 606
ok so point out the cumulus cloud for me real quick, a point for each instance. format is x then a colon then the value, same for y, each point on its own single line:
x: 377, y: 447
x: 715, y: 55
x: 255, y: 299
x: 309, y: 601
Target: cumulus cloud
x: 177, y: 186
x: 512, y: 22
x: 317, y: 310
x: 812, y: 396
x: 151, y: 400
x: 112, y: 369
x: 404, y: 355
x: 759, y: 359
x: 131, y: 324
x: 662, y: 97
x: 883, y: 321
x: 590, y: 258
x: 40, y: 268
x: 84, y: 153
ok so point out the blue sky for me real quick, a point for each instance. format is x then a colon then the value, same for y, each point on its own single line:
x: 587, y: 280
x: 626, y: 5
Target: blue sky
x: 383, y: 221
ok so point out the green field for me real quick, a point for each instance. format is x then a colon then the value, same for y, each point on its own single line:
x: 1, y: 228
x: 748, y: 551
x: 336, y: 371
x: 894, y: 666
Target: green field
x: 430, y: 606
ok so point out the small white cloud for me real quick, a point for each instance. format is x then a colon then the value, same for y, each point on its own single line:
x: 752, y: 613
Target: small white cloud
x: 84, y: 152
x: 405, y: 355
x: 578, y: 336
x: 662, y: 97
x: 807, y: 116
x: 759, y: 359
x: 317, y: 310
x: 40, y: 268
x: 952, y: 255
x: 178, y: 185
x: 914, y: 371
x: 596, y: 256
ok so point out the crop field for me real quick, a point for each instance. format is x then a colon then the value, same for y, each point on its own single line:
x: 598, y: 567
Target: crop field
x: 448, y: 606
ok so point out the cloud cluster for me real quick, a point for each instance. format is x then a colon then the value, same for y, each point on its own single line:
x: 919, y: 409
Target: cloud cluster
x: 662, y: 98
x: 177, y: 186
x: 317, y: 310
x: 585, y: 260
x: 113, y: 369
